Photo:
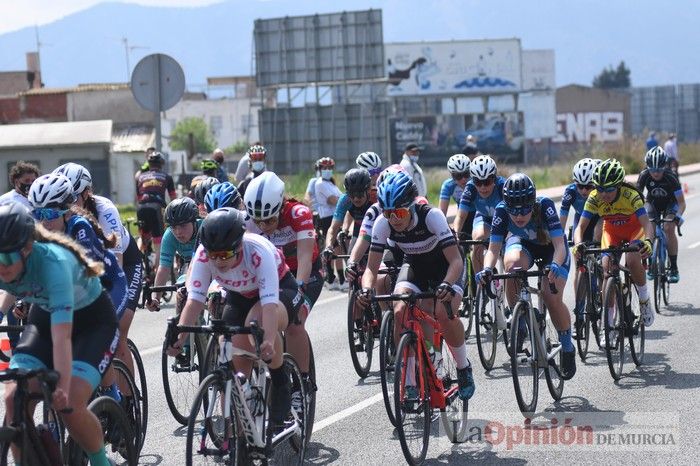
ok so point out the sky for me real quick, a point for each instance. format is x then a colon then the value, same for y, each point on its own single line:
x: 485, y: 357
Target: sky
x: 17, y: 14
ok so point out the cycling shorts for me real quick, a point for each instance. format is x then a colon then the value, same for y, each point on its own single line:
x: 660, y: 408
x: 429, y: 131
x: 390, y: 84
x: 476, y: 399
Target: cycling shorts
x: 669, y: 210
x: 94, y: 340
x: 133, y: 268
x: 589, y: 234
x: 534, y: 251
x: 237, y: 306
x: 420, y: 279
x: 481, y: 221
x: 150, y: 215
x: 615, y: 235
x: 324, y: 224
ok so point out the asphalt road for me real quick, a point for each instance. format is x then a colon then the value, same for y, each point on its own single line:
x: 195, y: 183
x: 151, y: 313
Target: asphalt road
x: 650, y: 416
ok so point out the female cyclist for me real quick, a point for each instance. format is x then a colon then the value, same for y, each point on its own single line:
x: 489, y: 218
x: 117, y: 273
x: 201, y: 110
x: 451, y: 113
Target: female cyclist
x: 531, y: 230
x: 223, y: 195
x: 452, y: 187
x: 432, y: 261
x: 259, y: 287
x: 201, y: 191
x: 71, y: 327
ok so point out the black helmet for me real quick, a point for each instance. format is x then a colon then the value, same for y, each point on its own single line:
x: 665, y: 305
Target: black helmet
x: 156, y: 158
x: 202, y: 188
x: 656, y: 158
x: 181, y: 211
x: 16, y: 227
x: 357, y: 180
x: 519, y: 192
x: 223, y: 229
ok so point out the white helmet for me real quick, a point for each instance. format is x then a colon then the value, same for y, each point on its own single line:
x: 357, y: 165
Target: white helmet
x: 264, y: 195
x: 482, y: 167
x: 78, y: 175
x: 458, y: 163
x: 52, y: 190
x: 369, y: 160
x: 583, y: 171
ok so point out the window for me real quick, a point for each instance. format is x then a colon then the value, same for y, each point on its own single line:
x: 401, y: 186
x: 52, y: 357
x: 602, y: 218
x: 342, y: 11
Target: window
x: 216, y: 123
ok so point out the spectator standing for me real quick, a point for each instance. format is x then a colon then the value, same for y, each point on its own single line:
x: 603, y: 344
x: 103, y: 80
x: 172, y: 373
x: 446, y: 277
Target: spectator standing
x: 671, y: 149
x: 409, y: 162
x: 22, y: 175
x: 470, y: 149
x: 256, y: 165
x: 652, y: 142
x: 221, y: 173
x: 243, y: 169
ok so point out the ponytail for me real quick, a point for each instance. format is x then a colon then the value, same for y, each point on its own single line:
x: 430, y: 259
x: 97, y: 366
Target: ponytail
x: 90, y: 205
x: 92, y: 268
x: 110, y: 241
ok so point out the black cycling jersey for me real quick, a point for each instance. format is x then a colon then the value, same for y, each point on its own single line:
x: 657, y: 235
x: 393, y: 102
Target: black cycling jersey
x: 660, y: 194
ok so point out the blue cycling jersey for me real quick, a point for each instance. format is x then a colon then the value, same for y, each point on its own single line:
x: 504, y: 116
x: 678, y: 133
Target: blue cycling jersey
x: 572, y: 198
x: 344, y: 206
x: 450, y: 189
x: 114, y: 277
x: 55, y: 280
x: 472, y: 201
x: 545, y: 220
x: 170, y: 245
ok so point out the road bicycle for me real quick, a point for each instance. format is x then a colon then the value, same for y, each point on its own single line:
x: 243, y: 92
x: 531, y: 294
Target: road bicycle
x: 432, y: 386
x: 534, y: 341
x: 149, y: 272
x: 660, y: 264
x: 490, y: 321
x: 229, y: 421
x: 466, y: 309
x: 621, y: 313
x: 589, y: 303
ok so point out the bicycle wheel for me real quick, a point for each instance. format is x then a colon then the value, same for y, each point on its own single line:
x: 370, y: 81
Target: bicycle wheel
x: 387, y: 358
x: 360, y: 338
x: 466, y: 308
x: 455, y: 414
x: 582, y: 311
x: 614, y: 340
x: 211, y: 355
x: 666, y: 285
x: 211, y: 432
x: 485, y: 328
x: 293, y: 450
x: 635, y: 328
x: 656, y: 267
x: 130, y: 405
x: 181, y: 377
x: 118, y: 436
x: 523, y: 360
x: 140, y: 381
x: 412, y: 414
x: 555, y: 383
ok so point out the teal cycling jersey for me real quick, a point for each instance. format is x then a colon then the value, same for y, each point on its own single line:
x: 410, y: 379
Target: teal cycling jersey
x: 56, y: 281
x: 170, y: 245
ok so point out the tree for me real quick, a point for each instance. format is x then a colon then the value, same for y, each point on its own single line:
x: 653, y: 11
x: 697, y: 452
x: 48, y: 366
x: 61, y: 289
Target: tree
x: 202, y: 140
x: 611, y: 78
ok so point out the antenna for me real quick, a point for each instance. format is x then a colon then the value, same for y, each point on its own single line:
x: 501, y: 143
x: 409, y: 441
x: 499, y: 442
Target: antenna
x: 39, y: 45
x: 127, y: 52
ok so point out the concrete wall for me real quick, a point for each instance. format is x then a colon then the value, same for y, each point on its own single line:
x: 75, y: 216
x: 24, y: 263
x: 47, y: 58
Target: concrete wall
x: 233, y: 114
x: 122, y: 167
x: 116, y: 105
x: 48, y: 158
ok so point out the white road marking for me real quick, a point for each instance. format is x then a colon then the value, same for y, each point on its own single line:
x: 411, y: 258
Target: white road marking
x: 330, y: 300
x: 339, y: 416
x: 694, y: 245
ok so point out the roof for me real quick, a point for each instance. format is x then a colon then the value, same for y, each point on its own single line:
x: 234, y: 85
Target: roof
x: 56, y: 134
x: 133, y: 138
x: 79, y: 88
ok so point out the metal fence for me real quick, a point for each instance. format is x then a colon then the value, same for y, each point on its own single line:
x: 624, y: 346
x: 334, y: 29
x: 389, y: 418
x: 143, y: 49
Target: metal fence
x: 674, y: 108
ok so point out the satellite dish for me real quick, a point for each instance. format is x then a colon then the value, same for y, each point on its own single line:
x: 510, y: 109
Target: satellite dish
x: 157, y: 82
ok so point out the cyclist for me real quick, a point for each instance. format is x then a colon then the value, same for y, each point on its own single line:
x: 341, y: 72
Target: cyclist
x: 151, y: 186
x: 355, y: 202
x: 259, y: 287
x: 481, y: 195
x: 310, y: 193
x: 531, y: 230
x: 223, y: 195
x: 256, y: 162
x: 210, y: 168
x: 327, y: 196
x: 671, y: 149
x: 433, y: 261
x: 664, y: 197
x: 624, y: 219
x: 452, y: 187
x: 22, y: 175
x: 288, y: 224
x: 182, y: 216
x: 200, y: 191
x: 126, y: 249
x: 72, y: 326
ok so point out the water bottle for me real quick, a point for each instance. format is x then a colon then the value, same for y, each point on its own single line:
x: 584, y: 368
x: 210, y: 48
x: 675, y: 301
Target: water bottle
x: 247, y: 392
x: 436, y: 360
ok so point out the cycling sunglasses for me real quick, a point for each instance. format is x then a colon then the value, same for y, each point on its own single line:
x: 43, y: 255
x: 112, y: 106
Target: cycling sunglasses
x: 47, y: 213
x: 460, y: 176
x: 357, y: 194
x: 609, y: 189
x: 9, y: 258
x: 519, y: 211
x: 486, y: 182
x: 267, y: 221
x: 222, y: 255
x: 656, y: 170
x: 587, y: 187
x: 399, y: 213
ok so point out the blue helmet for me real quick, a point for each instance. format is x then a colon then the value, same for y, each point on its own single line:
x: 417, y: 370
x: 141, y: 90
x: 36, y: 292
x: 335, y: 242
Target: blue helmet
x: 396, y: 190
x: 222, y: 195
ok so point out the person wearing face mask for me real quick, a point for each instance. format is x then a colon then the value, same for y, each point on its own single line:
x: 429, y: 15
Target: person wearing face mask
x: 22, y: 175
x: 327, y: 193
x: 256, y: 162
x: 409, y: 162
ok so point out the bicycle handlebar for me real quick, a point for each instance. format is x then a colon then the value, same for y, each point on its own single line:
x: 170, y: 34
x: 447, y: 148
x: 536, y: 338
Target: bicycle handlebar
x: 662, y: 220
x: 216, y: 326
x: 519, y: 274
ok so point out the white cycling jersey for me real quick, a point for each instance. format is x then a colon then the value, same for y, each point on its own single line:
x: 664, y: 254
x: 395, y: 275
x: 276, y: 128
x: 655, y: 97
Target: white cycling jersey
x: 109, y: 220
x: 257, y: 274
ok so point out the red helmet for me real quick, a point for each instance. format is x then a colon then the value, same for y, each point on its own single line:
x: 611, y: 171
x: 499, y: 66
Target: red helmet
x: 326, y: 163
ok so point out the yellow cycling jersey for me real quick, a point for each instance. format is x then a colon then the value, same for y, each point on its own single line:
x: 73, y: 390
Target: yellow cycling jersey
x: 627, y: 205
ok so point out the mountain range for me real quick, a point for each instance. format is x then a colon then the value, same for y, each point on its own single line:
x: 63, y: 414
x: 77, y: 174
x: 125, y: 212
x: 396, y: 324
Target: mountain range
x: 216, y: 40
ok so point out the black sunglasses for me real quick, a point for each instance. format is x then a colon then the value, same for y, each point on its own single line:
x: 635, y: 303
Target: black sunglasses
x: 485, y: 182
